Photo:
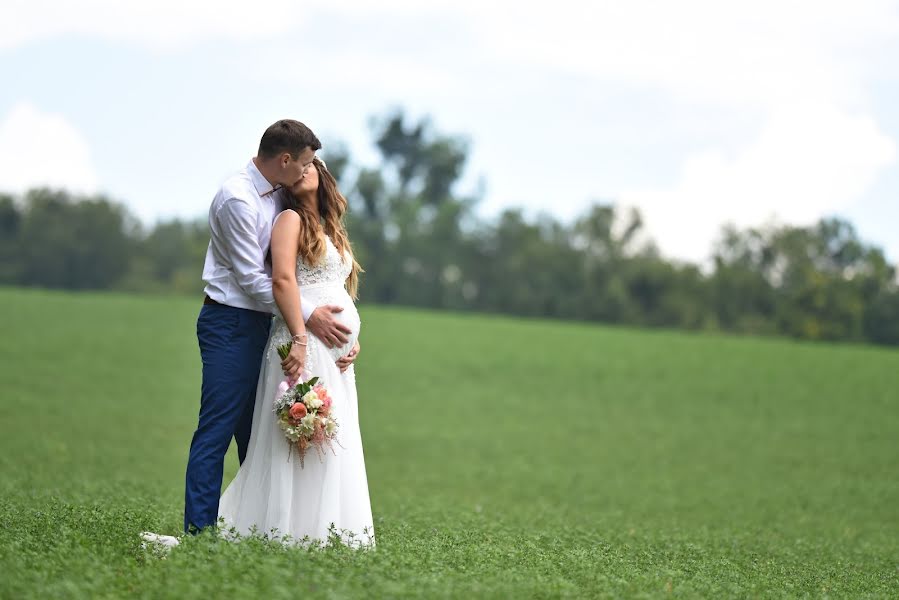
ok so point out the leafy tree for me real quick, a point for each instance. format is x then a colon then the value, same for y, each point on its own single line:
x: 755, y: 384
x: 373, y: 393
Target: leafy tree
x: 10, y: 242
x: 423, y: 244
x: 75, y: 243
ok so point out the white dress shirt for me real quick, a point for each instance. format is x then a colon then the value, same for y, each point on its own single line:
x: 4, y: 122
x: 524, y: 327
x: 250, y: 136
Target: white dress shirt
x: 237, y: 271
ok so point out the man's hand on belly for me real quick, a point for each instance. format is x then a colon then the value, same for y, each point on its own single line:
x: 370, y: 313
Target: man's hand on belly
x: 326, y: 327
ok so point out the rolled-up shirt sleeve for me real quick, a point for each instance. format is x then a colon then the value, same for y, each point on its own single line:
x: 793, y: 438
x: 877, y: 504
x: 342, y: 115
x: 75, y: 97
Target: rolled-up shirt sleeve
x: 237, y: 221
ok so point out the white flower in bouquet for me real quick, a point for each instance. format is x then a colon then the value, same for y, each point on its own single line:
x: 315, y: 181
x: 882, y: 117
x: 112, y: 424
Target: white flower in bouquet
x: 312, y: 401
x: 308, y: 423
x: 303, y: 409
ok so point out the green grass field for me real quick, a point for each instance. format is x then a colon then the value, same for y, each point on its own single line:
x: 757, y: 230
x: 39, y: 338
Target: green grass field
x: 506, y: 458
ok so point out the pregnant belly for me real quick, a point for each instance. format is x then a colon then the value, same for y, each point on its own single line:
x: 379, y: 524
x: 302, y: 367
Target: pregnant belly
x: 349, y: 316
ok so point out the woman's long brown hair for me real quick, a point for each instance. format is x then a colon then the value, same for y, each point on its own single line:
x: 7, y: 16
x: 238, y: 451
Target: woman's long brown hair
x: 332, y: 206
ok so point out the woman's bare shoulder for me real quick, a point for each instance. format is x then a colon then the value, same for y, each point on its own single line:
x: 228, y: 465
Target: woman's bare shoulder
x: 287, y: 218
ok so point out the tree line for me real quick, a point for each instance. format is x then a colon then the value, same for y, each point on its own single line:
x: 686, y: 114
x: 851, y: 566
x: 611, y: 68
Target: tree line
x: 423, y: 244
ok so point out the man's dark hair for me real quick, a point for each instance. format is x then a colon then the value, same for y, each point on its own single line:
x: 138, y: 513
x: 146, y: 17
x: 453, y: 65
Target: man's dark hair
x: 288, y: 136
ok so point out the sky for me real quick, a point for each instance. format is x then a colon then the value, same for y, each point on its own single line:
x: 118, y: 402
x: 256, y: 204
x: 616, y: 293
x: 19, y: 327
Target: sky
x: 699, y: 113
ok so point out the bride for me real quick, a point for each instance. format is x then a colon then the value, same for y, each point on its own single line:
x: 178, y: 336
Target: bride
x: 272, y: 493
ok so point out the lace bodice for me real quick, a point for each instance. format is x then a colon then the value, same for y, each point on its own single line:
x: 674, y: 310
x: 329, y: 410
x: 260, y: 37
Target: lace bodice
x: 322, y: 284
x: 330, y: 271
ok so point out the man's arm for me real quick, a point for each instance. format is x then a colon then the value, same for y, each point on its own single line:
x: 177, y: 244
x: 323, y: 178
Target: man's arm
x: 237, y: 221
x: 306, y: 306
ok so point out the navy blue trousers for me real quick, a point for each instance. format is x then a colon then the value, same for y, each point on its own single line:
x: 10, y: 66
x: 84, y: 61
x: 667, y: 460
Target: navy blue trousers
x: 232, y: 341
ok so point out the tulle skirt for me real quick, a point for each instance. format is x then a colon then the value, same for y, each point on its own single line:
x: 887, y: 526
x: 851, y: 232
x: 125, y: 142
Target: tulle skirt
x: 272, y: 493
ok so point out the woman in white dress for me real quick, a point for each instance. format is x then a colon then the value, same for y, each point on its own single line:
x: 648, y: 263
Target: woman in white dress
x: 272, y: 493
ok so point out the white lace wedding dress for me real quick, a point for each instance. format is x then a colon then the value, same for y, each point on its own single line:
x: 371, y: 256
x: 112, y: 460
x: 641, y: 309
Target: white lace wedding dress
x: 271, y: 493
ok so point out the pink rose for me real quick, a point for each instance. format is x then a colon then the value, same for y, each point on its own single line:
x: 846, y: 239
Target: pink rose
x: 325, y: 410
x: 298, y: 411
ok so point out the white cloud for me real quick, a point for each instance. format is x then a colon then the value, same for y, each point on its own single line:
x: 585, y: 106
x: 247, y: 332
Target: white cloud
x: 808, y: 161
x: 801, y: 69
x: 39, y: 149
x: 796, y: 74
x: 161, y: 24
x: 338, y: 70
x: 763, y: 52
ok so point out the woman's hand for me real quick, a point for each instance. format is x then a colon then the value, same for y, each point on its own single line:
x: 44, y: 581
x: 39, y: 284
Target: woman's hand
x: 295, y: 362
x: 344, y: 363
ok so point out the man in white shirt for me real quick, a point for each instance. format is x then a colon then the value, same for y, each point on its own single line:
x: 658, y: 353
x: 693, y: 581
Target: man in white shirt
x: 233, y: 325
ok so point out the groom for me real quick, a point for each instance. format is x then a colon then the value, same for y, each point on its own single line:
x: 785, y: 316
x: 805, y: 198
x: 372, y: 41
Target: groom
x: 233, y: 325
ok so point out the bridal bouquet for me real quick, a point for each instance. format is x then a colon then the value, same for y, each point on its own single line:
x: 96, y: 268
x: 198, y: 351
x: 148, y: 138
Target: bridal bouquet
x: 304, y: 413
